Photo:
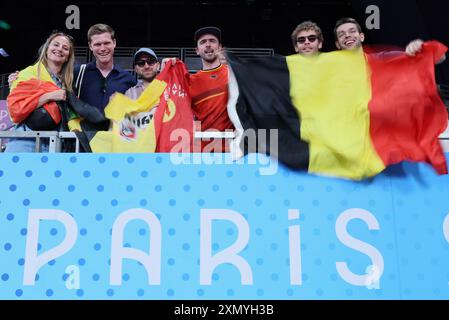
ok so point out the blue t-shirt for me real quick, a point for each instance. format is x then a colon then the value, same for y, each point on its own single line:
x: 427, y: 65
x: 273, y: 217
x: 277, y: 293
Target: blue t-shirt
x: 96, y: 89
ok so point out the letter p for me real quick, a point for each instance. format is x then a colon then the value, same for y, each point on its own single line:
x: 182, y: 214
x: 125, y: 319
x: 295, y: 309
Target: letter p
x: 33, y: 261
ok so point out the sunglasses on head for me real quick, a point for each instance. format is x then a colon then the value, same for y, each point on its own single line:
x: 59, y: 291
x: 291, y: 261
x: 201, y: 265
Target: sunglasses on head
x: 310, y: 38
x: 142, y: 63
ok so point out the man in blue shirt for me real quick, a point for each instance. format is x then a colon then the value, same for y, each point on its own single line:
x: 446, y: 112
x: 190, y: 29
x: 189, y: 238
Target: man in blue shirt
x: 101, y: 78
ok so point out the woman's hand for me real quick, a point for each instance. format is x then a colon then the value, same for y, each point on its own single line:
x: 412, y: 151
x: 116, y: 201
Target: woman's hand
x: 12, y: 77
x: 59, y: 95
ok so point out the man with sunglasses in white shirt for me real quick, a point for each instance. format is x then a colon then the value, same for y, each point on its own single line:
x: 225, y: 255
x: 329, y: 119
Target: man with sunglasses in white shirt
x: 146, y: 66
x: 307, y: 38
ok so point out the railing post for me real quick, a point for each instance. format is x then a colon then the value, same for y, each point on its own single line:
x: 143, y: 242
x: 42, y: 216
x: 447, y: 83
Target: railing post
x: 54, y: 144
x: 37, y: 148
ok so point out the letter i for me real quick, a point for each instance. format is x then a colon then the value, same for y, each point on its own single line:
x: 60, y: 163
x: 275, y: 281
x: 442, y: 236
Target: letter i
x: 294, y: 239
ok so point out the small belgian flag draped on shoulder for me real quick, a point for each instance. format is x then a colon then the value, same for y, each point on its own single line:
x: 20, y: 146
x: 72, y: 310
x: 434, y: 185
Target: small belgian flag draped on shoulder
x: 345, y: 113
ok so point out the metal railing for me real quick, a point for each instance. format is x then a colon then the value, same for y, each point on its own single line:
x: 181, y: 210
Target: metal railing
x: 445, y: 134
x: 193, y: 62
x: 123, y: 56
x: 214, y: 135
x: 53, y: 138
x: 444, y: 91
x: 444, y: 139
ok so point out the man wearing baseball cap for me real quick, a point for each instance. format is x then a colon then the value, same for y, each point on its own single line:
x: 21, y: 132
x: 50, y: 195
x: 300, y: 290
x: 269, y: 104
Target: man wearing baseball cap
x: 146, y: 66
x: 209, y: 86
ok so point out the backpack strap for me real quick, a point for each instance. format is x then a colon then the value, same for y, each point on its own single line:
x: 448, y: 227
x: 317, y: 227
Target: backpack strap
x: 79, y: 79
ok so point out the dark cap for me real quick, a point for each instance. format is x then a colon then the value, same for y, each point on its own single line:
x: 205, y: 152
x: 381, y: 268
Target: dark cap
x: 207, y: 30
x: 144, y: 50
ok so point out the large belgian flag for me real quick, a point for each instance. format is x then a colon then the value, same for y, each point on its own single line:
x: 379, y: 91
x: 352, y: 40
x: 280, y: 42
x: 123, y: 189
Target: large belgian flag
x: 345, y: 113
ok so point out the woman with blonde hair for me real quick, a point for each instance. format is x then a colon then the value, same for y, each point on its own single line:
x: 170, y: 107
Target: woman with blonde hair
x: 41, y: 98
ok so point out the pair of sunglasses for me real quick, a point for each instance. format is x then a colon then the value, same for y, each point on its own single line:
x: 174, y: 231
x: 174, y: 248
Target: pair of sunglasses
x: 142, y: 63
x: 310, y: 38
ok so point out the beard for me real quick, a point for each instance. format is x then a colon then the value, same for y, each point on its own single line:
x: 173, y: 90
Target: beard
x: 147, y: 77
x: 208, y: 58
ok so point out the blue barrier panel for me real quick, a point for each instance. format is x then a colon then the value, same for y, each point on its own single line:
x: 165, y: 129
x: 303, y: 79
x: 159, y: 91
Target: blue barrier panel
x: 287, y: 235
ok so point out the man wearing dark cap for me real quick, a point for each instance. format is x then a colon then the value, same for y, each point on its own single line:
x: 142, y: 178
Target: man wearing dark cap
x: 209, y: 86
x: 208, y: 44
x: 146, y: 66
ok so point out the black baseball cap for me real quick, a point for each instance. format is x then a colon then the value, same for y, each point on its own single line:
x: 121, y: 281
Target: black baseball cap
x: 207, y: 30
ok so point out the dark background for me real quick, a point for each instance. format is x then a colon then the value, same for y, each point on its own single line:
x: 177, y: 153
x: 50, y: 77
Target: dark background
x: 245, y: 23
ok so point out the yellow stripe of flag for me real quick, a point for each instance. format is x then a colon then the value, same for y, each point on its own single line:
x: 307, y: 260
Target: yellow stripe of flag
x: 332, y: 101
x: 117, y: 109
